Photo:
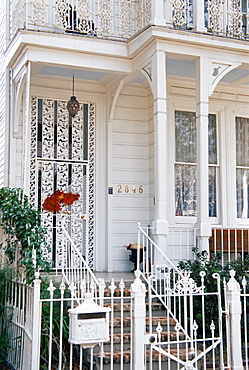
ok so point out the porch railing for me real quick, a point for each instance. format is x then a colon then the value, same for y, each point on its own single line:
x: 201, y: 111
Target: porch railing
x: 178, y: 246
x: 232, y: 243
x: 122, y: 19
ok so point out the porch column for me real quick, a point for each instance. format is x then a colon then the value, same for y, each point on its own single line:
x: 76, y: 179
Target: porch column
x: 158, y: 67
x: 199, y: 16
x: 202, y: 111
x: 157, y: 13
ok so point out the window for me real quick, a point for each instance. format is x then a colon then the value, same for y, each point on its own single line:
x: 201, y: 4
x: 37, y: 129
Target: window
x: 242, y: 166
x: 185, y: 164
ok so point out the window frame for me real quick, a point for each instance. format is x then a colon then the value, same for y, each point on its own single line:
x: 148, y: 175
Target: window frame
x: 189, y: 107
x: 240, y: 220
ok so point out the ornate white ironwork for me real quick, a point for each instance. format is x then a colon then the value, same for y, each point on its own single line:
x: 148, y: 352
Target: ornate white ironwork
x: 143, y: 13
x: 186, y: 285
x: 148, y: 10
x: 105, y: 17
x: 139, y: 14
x: 47, y: 129
x: 179, y: 9
x: 63, y: 164
x: 79, y: 175
x: 214, y: 15
x: 62, y: 131
x: 39, y: 12
x: 126, y: 18
x: 235, y: 18
x: 78, y: 136
x: 123, y: 18
x: 19, y: 16
x: 62, y: 14
x: 85, y: 25
x: 91, y: 121
x: 33, y: 151
x: 47, y: 218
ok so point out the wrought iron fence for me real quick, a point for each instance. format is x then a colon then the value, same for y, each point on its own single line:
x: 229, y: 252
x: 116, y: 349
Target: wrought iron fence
x: 196, y: 329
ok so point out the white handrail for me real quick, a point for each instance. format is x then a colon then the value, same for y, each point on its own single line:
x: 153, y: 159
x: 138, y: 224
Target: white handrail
x: 163, y: 256
x: 159, y: 282
x: 75, y: 269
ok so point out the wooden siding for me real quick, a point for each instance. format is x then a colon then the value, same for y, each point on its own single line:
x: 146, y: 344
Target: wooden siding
x: 130, y: 171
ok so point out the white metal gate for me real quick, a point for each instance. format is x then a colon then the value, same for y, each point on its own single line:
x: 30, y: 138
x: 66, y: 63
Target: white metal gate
x: 62, y: 158
x: 190, y: 336
x: 189, y: 331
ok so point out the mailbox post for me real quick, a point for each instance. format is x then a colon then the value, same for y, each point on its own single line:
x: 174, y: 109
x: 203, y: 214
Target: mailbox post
x: 88, y: 323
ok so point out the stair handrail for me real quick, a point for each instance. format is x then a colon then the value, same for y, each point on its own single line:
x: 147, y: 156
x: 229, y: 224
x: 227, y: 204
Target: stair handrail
x: 81, y: 277
x: 150, y: 277
x: 173, y: 266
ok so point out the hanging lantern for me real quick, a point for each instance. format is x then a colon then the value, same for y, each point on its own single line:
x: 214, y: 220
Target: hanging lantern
x: 73, y: 105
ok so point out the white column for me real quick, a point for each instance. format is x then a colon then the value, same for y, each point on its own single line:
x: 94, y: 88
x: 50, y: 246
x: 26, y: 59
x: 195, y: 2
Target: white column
x: 202, y: 111
x: 157, y: 13
x: 234, y: 320
x: 199, y: 16
x: 160, y: 143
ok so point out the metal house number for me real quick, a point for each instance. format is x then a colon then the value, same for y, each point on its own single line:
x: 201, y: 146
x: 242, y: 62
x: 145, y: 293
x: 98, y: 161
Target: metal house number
x: 130, y: 189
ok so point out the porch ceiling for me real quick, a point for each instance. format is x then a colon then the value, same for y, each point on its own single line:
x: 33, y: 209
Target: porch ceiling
x: 175, y: 67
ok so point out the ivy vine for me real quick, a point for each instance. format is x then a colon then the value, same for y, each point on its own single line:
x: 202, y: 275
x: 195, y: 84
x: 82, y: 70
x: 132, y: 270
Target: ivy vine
x: 23, y: 232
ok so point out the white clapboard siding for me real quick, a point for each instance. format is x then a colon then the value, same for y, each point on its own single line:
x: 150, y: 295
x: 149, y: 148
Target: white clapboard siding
x: 2, y: 87
x: 130, y: 166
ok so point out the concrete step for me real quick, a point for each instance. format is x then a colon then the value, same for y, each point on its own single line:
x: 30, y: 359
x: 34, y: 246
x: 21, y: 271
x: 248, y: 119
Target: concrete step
x: 165, y: 336
x: 163, y: 320
x: 156, y: 306
x: 126, y: 354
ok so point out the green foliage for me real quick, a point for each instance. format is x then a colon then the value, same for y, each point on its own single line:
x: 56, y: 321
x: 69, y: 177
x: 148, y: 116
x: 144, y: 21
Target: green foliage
x: 60, y: 320
x: 5, y: 312
x: 23, y: 231
x: 202, y: 262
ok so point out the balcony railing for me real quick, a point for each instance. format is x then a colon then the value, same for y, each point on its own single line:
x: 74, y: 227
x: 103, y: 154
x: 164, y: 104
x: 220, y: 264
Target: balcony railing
x: 121, y: 19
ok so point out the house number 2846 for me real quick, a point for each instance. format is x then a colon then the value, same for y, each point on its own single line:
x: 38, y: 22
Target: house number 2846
x: 129, y: 189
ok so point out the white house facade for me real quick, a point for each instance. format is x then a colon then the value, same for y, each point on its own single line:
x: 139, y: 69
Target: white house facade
x: 162, y: 134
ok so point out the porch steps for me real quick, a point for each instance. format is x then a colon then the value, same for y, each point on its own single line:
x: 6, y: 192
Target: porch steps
x: 117, y: 355
x: 112, y: 350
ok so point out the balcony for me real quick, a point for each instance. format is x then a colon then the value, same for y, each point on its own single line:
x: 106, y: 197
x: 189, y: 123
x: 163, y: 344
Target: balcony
x: 121, y: 19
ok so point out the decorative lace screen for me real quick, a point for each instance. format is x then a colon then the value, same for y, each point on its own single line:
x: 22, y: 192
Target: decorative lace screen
x: 62, y: 157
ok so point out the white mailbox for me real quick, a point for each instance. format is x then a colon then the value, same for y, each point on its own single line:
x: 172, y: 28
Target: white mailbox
x: 88, y: 323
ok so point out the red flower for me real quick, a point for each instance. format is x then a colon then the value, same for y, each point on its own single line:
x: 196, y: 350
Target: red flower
x: 53, y: 202
x: 69, y: 198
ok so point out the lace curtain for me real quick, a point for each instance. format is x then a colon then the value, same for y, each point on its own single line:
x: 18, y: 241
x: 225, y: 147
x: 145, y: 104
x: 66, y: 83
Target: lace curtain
x: 185, y: 164
x: 242, y: 166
